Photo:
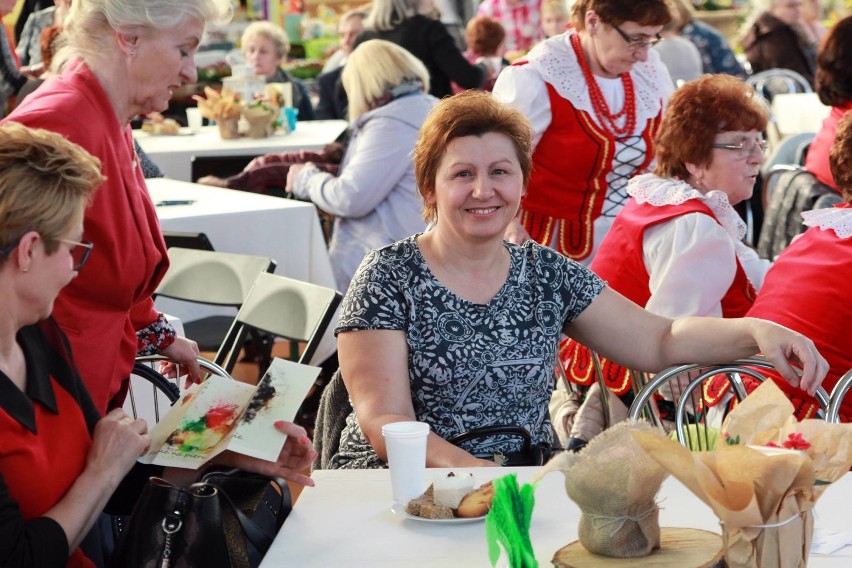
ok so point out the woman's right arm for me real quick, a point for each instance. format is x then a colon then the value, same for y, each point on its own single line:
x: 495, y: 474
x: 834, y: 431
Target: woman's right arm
x: 374, y: 365
x: 378, y: 158
x: 117, y: 442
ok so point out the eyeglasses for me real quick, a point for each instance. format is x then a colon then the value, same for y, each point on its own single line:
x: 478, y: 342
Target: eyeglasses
x: 637, y: 43
x: 79, y: 252
x: 746, y: 148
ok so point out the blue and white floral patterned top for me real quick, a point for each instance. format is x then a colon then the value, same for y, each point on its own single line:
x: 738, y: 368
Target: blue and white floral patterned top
x: 470, y: 364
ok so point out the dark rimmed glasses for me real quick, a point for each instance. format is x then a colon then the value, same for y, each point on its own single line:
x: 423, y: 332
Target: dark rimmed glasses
x: 79, y: 252
x: 745, y: 148
x: 637, y: 43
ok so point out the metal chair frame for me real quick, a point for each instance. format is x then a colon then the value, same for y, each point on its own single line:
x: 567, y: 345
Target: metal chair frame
x: 838, y: 393
x: 732, y: 371
x: 159, y: 384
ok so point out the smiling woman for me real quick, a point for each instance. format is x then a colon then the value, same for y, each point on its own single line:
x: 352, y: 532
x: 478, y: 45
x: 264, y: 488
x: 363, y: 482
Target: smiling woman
x: 459, y: 329
x: 120, y: 58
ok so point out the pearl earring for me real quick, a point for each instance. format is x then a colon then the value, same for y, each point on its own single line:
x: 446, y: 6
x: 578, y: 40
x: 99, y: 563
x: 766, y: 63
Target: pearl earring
x: 132, y: 53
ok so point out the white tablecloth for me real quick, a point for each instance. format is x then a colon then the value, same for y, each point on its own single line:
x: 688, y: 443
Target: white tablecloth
x: 174, y: 153
x: 346, y: 521
x: 285, y: 230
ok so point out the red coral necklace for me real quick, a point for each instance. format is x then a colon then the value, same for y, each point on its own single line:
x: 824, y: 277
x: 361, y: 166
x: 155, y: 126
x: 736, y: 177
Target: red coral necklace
x: 605, y: 117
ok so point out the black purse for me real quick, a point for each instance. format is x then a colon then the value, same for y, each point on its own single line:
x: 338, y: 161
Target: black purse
x: 530, y: 453
x: 228, y: 519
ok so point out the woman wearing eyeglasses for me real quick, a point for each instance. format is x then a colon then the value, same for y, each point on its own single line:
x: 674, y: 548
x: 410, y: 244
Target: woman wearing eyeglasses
x: 595, y: 98
x: 676, y: 248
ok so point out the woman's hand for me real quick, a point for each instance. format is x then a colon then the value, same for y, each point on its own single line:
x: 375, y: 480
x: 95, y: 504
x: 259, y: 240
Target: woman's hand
x: 515, y: 232
x: 296, y: 456
x: 117, y: 442
x: 292, y: 173
x: 184, y: 352
x: 781, y: 346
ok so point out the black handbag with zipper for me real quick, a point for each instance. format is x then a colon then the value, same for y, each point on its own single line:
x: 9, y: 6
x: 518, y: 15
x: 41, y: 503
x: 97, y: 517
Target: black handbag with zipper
x: 529, y: 454
x: 228, y: 519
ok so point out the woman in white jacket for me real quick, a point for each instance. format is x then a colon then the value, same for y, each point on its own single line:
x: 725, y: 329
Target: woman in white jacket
x: 374, y: 198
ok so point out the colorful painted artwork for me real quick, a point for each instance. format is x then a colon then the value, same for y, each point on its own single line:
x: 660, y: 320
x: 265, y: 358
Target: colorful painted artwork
x: 224, y: 414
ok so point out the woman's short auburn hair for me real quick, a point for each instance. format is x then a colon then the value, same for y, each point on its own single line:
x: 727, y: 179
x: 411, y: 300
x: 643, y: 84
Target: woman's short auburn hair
x: 616, y: 12
x: 698, y: 111
x: 45, y: 182
x: 834, y: 65
x: 484, y: 35
x: 840, y: 157
x: 469, y: 113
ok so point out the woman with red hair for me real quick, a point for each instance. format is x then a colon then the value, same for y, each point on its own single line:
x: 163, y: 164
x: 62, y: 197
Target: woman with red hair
x: 676, y: 248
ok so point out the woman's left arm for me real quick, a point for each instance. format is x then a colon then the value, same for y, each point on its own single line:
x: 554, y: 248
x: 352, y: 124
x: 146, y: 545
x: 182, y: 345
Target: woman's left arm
x: 379, y: 157
x: 635, y: 338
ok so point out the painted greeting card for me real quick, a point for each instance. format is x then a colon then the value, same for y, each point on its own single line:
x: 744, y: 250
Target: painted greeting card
x: 223, y: 414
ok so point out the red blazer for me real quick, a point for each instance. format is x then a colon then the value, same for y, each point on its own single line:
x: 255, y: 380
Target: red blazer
x: 102, y: 308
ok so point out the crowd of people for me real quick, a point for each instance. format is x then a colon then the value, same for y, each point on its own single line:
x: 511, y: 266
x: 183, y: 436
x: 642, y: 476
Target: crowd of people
x: 585, y: 204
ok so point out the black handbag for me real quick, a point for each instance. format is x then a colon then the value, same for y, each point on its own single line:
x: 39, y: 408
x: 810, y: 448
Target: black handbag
x: 227, y: 520
x: 530, y: 453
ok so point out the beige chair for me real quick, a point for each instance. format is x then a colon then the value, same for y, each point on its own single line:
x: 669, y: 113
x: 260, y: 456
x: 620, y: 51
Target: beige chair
x: 838, y: 393
x: 213, y: 278
x: 681, y: 387
x: 282, y: 307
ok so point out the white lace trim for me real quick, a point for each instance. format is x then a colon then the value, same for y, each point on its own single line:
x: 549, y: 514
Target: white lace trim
x: 838, y: 219
x: 657, y: 191
x: 556, y: 62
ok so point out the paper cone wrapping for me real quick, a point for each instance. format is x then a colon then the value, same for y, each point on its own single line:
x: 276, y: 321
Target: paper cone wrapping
x: 260, y: 121
x: 615, y: 484
x: 764, y: 501
x: 222, y: 107
x: 228, y: 128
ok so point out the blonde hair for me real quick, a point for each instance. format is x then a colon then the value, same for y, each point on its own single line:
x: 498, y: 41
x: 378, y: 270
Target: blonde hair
x: 91, y: 24
x: 557, y: 7
x: 268, y: 31
x: 387, y: 14
x: 45, y: 182
x: 374, y: 67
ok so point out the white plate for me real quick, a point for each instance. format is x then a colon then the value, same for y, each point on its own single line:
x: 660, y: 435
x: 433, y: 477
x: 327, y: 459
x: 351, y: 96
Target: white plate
x: 399, y: 510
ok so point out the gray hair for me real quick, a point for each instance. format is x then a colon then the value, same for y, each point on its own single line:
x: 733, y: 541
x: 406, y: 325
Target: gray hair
x: 387, y: 14
x: 268, y: 31
x: 91, y: 23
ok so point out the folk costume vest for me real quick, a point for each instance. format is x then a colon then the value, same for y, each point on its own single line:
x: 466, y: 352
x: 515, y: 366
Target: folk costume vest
x: 621, y: 263
x: 574, y: 156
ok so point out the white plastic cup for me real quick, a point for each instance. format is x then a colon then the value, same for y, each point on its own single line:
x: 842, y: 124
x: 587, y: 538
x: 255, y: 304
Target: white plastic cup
x: 406, y: 448
x: 193, y: 119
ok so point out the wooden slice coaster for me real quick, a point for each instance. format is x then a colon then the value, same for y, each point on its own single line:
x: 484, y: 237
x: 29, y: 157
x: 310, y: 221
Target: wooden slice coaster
x: 679, y: 548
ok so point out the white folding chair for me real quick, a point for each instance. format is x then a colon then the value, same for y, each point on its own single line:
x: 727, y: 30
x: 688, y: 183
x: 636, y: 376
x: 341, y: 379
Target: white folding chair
x: 283, y: 307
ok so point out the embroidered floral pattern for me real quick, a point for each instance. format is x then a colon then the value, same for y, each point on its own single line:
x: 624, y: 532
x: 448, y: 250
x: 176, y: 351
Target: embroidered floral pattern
x: 652, y: 189
x: 470, y: 364
x: 838, y: 219
x: 157, y: 336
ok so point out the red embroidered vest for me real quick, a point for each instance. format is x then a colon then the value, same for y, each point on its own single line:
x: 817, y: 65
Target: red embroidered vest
x: 621, y: 263
x: 568, y: 184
